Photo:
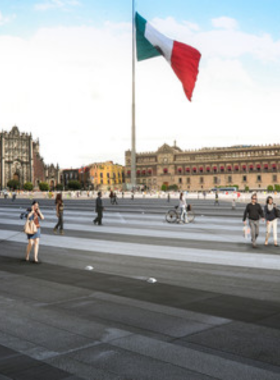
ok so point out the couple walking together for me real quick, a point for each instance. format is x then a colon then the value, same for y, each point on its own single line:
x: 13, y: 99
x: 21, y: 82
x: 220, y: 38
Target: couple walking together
x: 254, y: 212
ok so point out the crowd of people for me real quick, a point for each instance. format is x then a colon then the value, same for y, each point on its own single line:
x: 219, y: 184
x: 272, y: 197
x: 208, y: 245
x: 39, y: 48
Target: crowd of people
x: 253, y: 212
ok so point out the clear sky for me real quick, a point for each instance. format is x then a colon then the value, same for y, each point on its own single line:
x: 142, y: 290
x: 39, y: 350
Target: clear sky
x: 65, y: 74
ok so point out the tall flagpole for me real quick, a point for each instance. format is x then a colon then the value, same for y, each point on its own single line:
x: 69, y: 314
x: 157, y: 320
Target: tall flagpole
x: 133, y: 148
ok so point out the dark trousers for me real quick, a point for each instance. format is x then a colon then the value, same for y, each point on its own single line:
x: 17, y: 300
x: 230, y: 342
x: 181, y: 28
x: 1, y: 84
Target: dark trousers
x: 99, y: 217
x: 60, y: 222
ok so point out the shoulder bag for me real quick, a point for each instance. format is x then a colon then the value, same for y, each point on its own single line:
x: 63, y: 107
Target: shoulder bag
x: 30, y: 227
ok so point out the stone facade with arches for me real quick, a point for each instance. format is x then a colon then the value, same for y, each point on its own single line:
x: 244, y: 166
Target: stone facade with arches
x: 21, y: 160
x: 248, y: 166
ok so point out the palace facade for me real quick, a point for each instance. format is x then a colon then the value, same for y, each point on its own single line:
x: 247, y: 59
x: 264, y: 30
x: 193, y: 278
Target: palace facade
x: 253, y: 167
x: 21, y: 160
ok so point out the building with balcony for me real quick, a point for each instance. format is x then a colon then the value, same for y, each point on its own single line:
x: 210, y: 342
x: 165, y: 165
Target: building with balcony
x: 106, y: 175
x: 255, y: 167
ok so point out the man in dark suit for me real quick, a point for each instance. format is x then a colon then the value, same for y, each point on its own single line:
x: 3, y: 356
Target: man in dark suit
x: 99, y: 209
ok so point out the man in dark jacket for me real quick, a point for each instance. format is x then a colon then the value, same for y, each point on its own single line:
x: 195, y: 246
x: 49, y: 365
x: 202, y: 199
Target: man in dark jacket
x: 99, y: 209
x: 253, y: 211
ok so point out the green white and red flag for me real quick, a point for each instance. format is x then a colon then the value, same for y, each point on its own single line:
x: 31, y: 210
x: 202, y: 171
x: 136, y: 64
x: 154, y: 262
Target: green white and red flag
x: 184, y: 59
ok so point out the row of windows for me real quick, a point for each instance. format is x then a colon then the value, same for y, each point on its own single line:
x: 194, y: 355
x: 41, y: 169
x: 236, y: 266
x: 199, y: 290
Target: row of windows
x: 71, y: 175
x: 108, y: 175
x: 223, y: 168
x: 149, y: 181
x: 214, y: 169
x: 229, y: 179
x: 216, y: 156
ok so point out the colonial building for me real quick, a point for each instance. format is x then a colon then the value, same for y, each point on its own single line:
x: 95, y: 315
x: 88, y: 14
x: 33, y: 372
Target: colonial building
x: 52, y: 175
x: 84, y: 177
x: 253, y: 167
x: 21, y: 160
x: 104, y: 175
x: 69, y: 175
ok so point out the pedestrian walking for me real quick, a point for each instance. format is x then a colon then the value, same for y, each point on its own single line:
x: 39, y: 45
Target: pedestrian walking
x: 99, y: 209
x: 233, y: 204
x: 271, y: 214
x: 253, y: 211
x: 168, y: 197
x: 122, y: 194
x: 111, y: 196
x: 216, y: 199
x: 14, y: 196
x: 59, y: 205
x: 33, y: 240
x: 114, y: 202
x: 183, y: 207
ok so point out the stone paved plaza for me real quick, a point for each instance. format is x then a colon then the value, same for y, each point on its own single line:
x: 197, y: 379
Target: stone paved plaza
x: 214, y: 312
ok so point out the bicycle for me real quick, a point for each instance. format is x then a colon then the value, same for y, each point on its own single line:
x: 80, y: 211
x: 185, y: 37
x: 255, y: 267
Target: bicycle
x: 173, y: 216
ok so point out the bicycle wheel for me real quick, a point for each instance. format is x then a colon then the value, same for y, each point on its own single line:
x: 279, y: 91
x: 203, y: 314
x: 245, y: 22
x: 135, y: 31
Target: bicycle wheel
x: 190, y: 217
x: 171, y: 216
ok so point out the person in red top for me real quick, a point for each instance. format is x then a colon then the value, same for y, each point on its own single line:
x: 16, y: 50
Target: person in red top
x: 35, y: 215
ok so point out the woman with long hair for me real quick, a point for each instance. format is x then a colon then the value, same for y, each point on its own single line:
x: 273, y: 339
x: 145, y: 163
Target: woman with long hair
x: 33, y: 240
x: 271, y: 216
x: 59, y: 213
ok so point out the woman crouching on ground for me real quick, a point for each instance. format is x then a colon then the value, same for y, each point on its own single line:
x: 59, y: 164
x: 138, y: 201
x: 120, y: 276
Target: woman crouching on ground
x: 271, y: 215
x: 35, y: 215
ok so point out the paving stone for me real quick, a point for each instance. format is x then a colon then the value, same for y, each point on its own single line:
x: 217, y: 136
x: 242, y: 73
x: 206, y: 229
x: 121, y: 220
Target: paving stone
x: 190, y: 359
x: 84, y: 370
x: 42, y: 372
x: 132, y: 365
x: 247, y: 340
x: 6, y: 353
x: 12, y: 366
x: 172, y: 326
x: 272, y: 321
x: 44, y: 335
x: 42, y: 290
x: 2, y: 377
x: 14, y: 343
x: 60, y: 321
x: 237, y: 308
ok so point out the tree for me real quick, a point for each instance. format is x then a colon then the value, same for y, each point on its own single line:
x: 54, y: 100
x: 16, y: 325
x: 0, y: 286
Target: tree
x: 173, y: 187
x: 74, y: 185
x: 13, y: 184
x: 44, y: 186
x: 163, y: 187
x: 277, y: 188
x: 59, y: 187
x: 247, y: 189
x: 269, y: 188
x: 28, y: 186
x: 237, y: 186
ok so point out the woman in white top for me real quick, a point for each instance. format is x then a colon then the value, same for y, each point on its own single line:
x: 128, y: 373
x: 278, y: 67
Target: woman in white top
x: 183, y: 207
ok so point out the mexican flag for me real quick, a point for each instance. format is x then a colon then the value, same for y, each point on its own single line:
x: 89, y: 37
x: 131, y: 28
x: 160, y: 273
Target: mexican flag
x: 183, y: 58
